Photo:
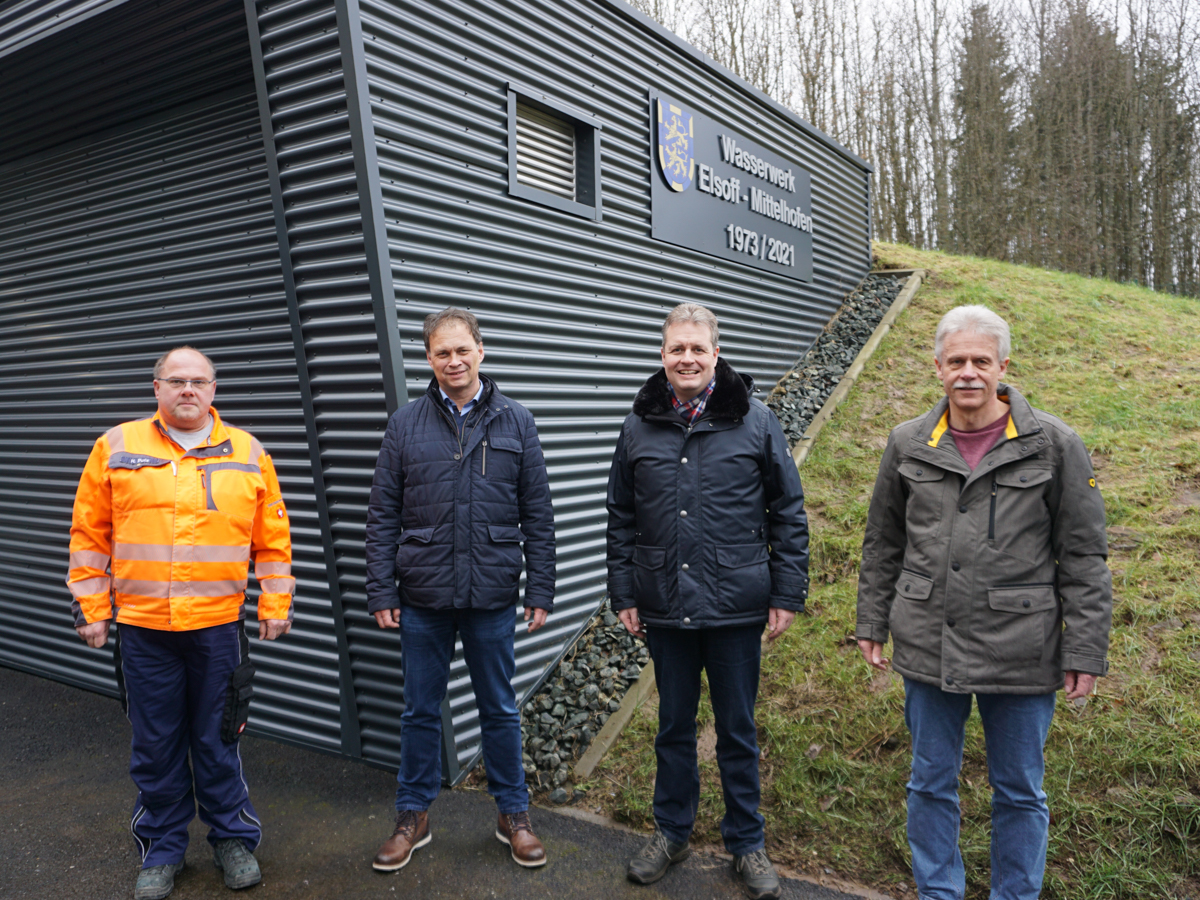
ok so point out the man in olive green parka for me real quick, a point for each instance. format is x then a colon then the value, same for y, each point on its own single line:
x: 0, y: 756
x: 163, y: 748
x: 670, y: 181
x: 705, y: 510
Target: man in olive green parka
x: 984, y: 558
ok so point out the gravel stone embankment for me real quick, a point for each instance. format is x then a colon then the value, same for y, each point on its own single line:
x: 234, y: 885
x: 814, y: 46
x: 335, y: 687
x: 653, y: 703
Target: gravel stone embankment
x: 802, y: 392
x: 569, y: 710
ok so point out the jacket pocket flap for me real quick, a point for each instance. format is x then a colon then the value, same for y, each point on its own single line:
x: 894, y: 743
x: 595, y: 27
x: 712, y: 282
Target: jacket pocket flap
x: 512, y: 445
x: 1023, y: 478
x: 416, y: 535
x: 503, y: 533
x: 914, y: 587
x: 735, y: 556
x: 125, y: 460
x: 649, y: 557
x: 921, y: 472
x: 1022, y: 598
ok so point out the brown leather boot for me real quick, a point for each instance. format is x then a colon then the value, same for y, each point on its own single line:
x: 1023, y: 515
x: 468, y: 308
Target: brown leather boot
x: 412, y: 831
x: 514, y: 829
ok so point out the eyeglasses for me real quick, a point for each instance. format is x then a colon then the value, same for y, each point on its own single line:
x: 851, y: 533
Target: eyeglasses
x: 178, y: 384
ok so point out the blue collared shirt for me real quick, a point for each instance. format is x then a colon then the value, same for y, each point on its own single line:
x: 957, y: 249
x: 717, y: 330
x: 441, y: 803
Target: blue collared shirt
x: 460, y: 417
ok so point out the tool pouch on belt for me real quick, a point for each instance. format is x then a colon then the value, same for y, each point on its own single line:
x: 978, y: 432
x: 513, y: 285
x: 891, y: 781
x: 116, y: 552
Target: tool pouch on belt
x: 238, y: 694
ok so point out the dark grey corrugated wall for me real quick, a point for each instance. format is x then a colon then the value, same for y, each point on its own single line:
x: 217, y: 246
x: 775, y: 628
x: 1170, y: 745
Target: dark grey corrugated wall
x: 112, y: 250
x: 303, y: 238
x: 73, y: 67
x: 571, y: 308
x: 341, y: 326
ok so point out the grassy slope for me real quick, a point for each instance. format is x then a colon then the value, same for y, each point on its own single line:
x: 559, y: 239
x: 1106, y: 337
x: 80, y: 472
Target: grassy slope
x: 1122, y: 366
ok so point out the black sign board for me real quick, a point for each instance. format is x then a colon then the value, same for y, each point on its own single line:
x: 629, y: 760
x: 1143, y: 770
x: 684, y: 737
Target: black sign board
x: 714, y: 191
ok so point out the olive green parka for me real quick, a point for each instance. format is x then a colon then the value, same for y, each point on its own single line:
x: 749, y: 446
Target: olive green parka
x: 991, y: 581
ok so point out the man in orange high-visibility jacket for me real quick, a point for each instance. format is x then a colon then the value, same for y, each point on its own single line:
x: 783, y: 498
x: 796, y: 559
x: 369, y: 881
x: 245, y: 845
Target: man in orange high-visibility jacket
x: 168, y: 514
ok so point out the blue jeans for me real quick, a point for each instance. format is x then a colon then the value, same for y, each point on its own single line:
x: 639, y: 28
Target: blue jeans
x: 731, y: 658
x: 176, y: 682
x: 426, y: 648
x: 1015, y: 728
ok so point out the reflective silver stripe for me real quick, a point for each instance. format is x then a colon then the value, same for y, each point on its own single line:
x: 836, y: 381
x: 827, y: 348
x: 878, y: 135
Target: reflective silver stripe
x: 182, y: 553
x: 143, y: 846
x: 277, y: 585
x: 267, y: 569
x: 116, y: 439
x: 163, y: 590
x: 256, y: 450
x: 219, y: 553
x: 212, y: 588
x: 89, y: 586
x: 157, y: 589
x: 142, y: 552
x: 91, y: 559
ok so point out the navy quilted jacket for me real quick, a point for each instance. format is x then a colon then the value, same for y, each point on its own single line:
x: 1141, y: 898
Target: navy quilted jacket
x: 706, y: 525
x: 448, y: 518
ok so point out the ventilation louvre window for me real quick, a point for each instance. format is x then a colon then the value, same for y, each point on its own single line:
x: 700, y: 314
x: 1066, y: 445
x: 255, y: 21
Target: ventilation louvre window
x: 545, y: 151
x: 553, y: 154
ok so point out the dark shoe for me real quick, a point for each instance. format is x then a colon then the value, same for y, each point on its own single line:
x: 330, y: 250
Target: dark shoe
x: 239, y: 865
x: 514, y: 829
x: 412, y: 831
x: 758, y: 875
x: 156, y: 882
x: 653, y: 860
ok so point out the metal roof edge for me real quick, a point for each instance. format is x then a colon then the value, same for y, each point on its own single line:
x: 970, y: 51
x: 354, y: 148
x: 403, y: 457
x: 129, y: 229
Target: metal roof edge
x: 665, y: 34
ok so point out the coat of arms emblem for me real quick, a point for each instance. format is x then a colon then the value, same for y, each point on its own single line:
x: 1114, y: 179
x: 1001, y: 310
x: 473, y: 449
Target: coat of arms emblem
x: 676, y: 143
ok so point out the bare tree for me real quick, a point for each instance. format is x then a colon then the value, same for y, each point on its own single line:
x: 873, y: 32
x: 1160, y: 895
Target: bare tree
x: 747, y: 37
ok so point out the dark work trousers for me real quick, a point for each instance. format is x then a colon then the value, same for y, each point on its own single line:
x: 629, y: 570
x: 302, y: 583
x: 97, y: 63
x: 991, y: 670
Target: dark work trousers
x: 731, y: 658
x: 176, y: 683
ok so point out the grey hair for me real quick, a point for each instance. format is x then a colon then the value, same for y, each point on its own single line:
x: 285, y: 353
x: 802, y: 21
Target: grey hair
x: 691, y: 313
x: 448, y: 316
x: 976, y: 320
x: 162, y: 361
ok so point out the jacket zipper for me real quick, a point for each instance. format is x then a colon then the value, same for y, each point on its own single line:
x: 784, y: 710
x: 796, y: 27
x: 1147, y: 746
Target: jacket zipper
x: 992, y: 514
x: 174, y: 516
x: 453, y: 427
x: 484, y: 472
x: 459, y: 434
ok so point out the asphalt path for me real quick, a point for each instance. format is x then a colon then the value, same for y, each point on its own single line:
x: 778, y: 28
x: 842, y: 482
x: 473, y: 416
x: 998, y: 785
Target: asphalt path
x: 66, y: 798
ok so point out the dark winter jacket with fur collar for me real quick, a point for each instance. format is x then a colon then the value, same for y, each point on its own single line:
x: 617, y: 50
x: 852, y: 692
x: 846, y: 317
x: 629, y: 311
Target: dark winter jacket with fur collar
x: 706, y: 525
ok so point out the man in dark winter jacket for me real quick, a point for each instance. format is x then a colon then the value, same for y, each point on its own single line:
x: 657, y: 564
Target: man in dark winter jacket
x: 460, y: 486
x: 985, y: 560
x: 707, y: 543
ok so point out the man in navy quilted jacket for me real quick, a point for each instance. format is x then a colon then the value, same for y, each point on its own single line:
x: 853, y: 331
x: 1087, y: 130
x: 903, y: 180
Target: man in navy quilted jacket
x: 460, y: 488
x: 707, y: 544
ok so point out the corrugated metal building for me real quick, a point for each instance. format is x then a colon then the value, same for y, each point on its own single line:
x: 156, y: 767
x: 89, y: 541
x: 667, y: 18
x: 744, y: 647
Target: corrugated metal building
x: 292, y: 185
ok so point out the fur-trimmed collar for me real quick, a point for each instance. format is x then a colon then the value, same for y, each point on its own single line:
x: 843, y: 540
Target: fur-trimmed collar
x: 730, y: 397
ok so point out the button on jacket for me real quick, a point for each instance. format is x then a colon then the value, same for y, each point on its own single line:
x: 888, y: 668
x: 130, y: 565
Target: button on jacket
x: 451, y: 505
x: 706, y: 524
x: 168, y: 535
x: 993, y: 580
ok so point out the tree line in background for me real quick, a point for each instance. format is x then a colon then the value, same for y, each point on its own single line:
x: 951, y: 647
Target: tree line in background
x: 1056, y: 133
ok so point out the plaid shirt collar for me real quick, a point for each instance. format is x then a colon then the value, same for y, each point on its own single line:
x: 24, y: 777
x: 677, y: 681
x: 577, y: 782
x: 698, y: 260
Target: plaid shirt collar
x: 691, y: 410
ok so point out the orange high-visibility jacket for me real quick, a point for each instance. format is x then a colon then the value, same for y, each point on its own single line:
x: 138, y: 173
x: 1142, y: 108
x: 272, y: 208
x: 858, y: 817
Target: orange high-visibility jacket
x: 169, y: 535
